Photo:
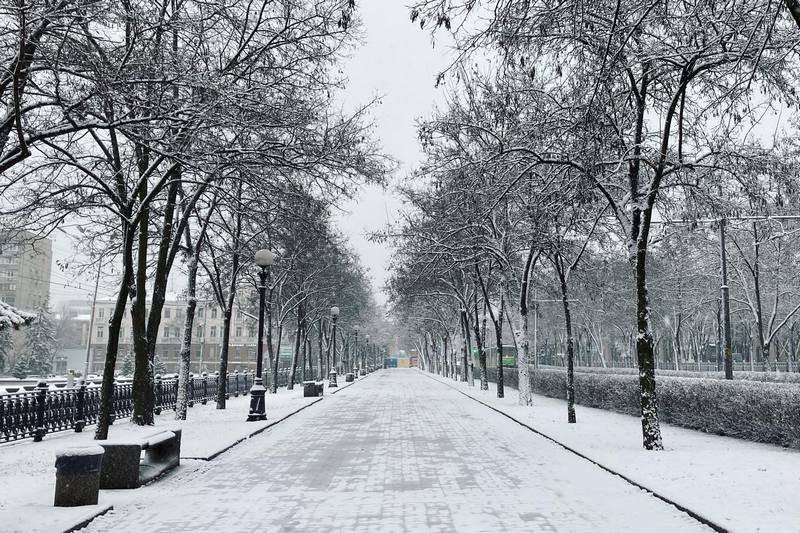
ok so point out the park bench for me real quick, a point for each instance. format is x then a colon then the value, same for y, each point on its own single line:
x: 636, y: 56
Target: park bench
x: 312, y: 389
x: 132, y: 463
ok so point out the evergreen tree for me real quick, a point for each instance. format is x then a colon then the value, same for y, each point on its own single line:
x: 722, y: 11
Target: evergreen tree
x: 158, y: 366
x: 40, y: 346
x: 127, y: 364
x: 6, y: 347
x: 20, y: 370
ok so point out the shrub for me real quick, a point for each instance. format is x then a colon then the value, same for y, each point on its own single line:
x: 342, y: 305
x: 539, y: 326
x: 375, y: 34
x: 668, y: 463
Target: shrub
x: 750, y: 410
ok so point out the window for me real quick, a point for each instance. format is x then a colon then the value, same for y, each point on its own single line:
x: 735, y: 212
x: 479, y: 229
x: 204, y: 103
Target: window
x: 213, y: 313
x: 100, y: 332
x: 251, y: 332
x: 166, y: 331
x: 100, y: 312
x: 121, y: 332
x: 213, y: 331
x: 177, y: 332
x: 200, y: 312
x: 238, y: 331
x: 200, y: 332
x: 167, y: 313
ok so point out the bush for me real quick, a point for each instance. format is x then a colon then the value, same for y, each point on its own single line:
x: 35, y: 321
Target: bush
x: 750, y: 410
x: 770, y: 377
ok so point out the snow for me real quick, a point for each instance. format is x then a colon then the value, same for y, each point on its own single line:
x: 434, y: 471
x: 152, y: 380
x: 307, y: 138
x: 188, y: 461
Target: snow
x: 396, y: 453
x: 28, y: 467
x: 738, y: 484
x: 11, y: 317
x: 80, y: 451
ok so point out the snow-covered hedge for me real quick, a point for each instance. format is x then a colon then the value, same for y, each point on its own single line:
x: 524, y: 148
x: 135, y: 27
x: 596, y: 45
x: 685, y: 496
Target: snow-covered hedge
x: 750, y: 410
x: 771, y: 377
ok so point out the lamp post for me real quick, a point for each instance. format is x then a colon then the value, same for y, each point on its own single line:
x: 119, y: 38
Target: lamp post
x: 353, y: 359
x: 362, y: 371
x: 332, y: 373
x: 264, y: 259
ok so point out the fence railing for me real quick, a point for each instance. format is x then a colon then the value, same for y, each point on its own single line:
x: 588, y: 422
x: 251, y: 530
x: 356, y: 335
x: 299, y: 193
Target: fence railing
x: 37, y: 411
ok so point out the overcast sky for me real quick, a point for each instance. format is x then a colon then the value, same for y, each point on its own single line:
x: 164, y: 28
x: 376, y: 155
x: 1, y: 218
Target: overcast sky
x: 398, y: 63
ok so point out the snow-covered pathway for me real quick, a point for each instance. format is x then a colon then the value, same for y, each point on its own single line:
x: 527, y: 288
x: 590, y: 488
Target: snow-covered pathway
x: 399, y: 452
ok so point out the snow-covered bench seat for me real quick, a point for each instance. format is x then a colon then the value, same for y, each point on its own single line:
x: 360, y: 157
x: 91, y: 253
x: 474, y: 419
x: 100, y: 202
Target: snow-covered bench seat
x: 130, y: 464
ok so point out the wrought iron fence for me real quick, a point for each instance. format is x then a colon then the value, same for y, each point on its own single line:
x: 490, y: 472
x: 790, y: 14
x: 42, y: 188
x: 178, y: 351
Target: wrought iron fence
x: 36, y: 411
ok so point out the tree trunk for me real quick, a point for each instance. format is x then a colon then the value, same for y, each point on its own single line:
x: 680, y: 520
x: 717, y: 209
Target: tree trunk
x: 651, y: 430
x: 186, y: 346
x: 322, y: 367
x: 222, y: 379
x: 142, y: 373
x: 570, y: 343
x: 277, y: 357
x: 467, y: 347
x: 297, y: 340
x: 114, y: 325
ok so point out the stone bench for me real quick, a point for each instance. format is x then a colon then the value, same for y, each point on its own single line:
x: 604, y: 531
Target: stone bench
x: 78, y: 476
x: 125, y: 466
x: 312, y: 389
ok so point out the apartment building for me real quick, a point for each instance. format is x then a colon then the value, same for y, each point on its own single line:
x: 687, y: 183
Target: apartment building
x: 25, y: 267
x: 206, y: 338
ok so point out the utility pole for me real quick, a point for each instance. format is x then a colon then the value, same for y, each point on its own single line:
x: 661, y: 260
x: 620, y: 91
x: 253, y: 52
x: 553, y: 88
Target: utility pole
x: 91, y: 323
x: 726, y: 306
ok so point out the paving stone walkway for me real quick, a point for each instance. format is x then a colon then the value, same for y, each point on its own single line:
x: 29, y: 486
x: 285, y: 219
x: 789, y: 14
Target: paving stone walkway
x: 397, y: 452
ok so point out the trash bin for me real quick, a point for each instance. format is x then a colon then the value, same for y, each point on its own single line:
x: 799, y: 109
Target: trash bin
x: 349, y: 377
x: 78, y: 476
x: 309, y: 389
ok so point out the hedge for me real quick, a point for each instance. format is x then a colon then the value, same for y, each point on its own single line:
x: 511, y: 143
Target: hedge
x: 750, y: 410
x: 771, y: 377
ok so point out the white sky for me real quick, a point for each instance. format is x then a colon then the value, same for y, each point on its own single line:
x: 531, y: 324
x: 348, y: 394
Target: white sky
x: 398, y: 63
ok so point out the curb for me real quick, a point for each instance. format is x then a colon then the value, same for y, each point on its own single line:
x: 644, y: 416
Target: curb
x: 694, y: 514
x: 266, y: 427
x: 86, y: 520
x: 253, y: 434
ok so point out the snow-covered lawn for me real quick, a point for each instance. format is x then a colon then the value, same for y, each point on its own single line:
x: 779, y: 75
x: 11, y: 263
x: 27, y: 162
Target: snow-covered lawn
x: 741, y: 485
x: 27, y: 469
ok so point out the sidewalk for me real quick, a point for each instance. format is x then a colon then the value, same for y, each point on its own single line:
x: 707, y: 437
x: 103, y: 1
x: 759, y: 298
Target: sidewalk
x: 27, y: 470
x: 740, y: 485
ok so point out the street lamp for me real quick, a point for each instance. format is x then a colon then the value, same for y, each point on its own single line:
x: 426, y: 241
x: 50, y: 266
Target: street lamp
x: 354, y: 359
x: 332, y: 373
x: 264, y: 259
x: 362, y: 371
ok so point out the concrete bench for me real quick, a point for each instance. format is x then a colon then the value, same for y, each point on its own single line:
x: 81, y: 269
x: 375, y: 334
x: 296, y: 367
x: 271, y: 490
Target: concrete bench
x: 78, y: 476
x: 312, y: 389
x: 126, y: 467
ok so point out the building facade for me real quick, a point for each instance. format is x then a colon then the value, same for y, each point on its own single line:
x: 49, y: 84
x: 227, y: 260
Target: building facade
x: 206, y: 338
x: 25, y: 268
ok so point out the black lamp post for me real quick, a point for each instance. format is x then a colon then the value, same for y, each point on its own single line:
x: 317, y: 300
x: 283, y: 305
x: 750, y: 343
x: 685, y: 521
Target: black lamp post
x: 264, y: 259
x: 363, y: 370
x: 332, y: 373
x: 354, y: 358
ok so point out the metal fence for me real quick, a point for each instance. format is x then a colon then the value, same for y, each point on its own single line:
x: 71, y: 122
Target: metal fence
x: 38, y: 410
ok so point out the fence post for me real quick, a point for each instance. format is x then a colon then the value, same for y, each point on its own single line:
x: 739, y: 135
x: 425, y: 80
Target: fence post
x: 236, y: 383
x: 80, y: 406
x: 111, y: 414
x: 205, y: 388
x: 190, y: 395
x: 157, y: 406
x: 41, y: 400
